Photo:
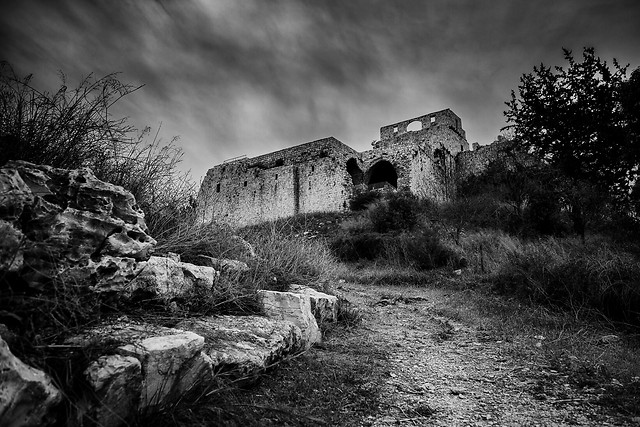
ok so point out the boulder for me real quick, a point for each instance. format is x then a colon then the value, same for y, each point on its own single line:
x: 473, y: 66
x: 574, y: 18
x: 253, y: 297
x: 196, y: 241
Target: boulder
x: 69, y: 217
x: 323, y: 306
x: 171, y: 364
x: 241, y: 347
x: 295, y: 308
x: 27, y: 395
x: 116, y: 382
x: 168, y: 278
x: 172, y: 361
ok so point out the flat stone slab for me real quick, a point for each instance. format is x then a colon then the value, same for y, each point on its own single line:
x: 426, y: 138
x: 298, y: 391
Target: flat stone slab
x: 245, y: 346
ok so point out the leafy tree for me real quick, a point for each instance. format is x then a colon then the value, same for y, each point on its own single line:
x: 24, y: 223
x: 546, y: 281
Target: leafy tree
x: 578, y: 120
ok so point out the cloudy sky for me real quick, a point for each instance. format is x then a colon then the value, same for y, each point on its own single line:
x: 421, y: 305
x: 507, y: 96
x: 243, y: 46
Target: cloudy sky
x: 234, y: 77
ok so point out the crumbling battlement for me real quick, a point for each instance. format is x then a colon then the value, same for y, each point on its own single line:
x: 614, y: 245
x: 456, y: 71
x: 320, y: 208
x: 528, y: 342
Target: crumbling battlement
x: 420, y: 155
x: 427, y: 128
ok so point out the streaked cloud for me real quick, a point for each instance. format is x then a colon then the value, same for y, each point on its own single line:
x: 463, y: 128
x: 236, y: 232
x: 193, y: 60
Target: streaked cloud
x: 247, y: 77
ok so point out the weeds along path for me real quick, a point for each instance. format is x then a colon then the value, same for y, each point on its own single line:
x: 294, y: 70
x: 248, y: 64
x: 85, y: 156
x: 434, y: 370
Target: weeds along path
x: 447, y: 366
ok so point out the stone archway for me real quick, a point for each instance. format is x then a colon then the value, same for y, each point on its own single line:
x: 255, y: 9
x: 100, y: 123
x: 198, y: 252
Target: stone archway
x: 357, y: 177
x: 380, y: 173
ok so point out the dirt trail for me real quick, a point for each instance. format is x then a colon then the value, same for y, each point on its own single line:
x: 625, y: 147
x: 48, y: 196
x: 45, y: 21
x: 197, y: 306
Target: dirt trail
x: 445, y: 373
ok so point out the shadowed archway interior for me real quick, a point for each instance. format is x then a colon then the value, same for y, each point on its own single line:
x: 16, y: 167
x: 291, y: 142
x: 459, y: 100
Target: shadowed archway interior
x: 381, y: 172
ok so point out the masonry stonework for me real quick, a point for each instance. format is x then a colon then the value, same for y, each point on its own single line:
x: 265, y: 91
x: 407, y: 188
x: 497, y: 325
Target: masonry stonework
x: 423, y: 155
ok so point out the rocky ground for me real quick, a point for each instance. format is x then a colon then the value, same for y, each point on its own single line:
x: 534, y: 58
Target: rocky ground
x: 429, y: 356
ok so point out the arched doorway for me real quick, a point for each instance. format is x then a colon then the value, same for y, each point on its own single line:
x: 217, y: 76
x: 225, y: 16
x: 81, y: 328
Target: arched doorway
x: 357, y: 177
x: 380, y: 173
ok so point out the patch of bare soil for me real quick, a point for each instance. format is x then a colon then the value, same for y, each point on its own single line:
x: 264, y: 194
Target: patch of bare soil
x: 419, y: 359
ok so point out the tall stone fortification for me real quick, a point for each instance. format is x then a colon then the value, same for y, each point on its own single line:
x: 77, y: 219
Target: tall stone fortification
x: 419, y: 155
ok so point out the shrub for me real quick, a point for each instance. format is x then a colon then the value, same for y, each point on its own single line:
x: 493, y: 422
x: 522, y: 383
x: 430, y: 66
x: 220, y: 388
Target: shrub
x: 362, y: 199
x: 74, y: 128
x: 68, y: 129
x: 422, y: 250
x: 280, y: 258
x: 396, y: 211
x: 284, y: 259
x: 575, y: 276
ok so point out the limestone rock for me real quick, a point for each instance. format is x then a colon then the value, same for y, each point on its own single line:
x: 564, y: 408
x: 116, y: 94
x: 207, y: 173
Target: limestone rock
x: 171, y: 360
x: 11, y: 253
x: 292, y: 307
x: 116, y: 382
x: 161, y: 276
x: 69, y: 217
x: 229, y: 266
x: 323, y: 306
x: 27, y: 395
x: 244, y: 346
x: 171, y: 363
x: 14, y: 195
x: 199, y: 276
x: 166, y: 277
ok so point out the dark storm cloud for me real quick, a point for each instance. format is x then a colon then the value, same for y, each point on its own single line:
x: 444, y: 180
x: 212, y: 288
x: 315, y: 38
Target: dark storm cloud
x: 250, y: 76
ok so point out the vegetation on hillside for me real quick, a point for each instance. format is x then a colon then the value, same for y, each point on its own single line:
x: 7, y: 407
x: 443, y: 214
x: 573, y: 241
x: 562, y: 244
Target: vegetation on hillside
x: 74, y: 128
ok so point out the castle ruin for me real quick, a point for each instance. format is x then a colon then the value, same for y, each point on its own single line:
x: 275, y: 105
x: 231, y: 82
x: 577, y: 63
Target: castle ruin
x: 425, y: 155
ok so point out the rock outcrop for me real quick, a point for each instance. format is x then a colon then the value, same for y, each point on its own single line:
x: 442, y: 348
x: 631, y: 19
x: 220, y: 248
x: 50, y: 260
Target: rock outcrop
x: 66, y: 218
x: 27, y: 395
x: 242, y: 347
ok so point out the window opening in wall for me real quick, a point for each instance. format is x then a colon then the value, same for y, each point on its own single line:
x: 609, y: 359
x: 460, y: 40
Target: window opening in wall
x: 276, y: 176
x: 323, y: 153
x: 414, y: 126
x: 439, y: 156
x: 313, y: 168
x: 382, y: 173
x: 245, y: 183
x: 357, y: 177
x: 217, y: 188
x: 279, y: 162
x: 432, y: 119
x: 224, y: 168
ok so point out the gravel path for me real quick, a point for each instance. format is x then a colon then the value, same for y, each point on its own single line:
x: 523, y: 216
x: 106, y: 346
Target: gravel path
x: 444, y: 373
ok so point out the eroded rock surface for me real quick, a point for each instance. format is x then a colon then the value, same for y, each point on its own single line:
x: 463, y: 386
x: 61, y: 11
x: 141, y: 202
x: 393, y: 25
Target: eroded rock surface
x: 245, y: 346
x: 27, y: 395
x: 116, y: 382
x: 323, y: 306
x: 171, y: 359
x: 68, y: 217
x: 295, y: 308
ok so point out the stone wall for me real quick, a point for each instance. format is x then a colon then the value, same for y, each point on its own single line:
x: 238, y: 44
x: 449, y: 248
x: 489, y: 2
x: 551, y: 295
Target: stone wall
x: 307, y: 178
x: 474, y: 162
